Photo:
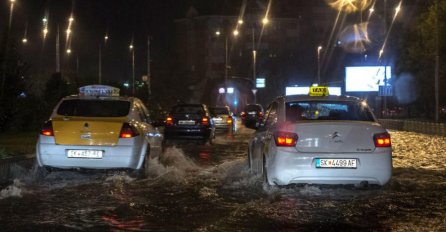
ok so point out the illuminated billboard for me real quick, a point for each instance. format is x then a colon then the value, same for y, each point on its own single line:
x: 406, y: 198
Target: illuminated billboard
x: 365, y: 78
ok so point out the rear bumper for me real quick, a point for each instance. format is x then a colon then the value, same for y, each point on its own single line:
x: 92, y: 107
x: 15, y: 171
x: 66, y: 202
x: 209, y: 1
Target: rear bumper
x: 125, y: 156
x: 289, y: 167
x: 187, y: 132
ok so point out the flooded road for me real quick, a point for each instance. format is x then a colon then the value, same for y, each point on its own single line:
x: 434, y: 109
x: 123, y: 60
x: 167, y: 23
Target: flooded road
x: 209, y: 188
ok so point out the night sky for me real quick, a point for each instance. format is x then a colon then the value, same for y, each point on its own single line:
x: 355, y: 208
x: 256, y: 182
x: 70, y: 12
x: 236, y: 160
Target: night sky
x: 121, y: 19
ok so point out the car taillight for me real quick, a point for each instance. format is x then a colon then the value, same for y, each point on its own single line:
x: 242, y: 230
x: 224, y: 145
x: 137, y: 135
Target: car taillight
x: 169, y: 120
x: 205, y: 121
x: 382, y: 140
x: 260, y: 114
x: 229, y: 120
x: 285, y: 139
x: 47, y: 129
x: 243, y: 114
x: 127, y: 131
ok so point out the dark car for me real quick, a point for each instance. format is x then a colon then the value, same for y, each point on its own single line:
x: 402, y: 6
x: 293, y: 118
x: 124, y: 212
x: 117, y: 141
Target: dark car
x: 252, y: 114
x: 223, y: 118
x: 190, y: 121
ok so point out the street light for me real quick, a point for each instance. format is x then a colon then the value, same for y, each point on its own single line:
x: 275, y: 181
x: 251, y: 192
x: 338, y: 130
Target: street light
x: 132, y: 50
x: 319, y: 64
x: 218, y: 33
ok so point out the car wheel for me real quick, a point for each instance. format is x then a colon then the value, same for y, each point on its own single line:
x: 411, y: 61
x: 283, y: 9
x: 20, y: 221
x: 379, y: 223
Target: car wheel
x: 211, y: 138
x: 42, y: 172
x: 142, y: 172
x: 250, y: 160
x: 265, y: 174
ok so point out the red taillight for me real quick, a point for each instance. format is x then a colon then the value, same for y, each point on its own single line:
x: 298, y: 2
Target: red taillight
x: 382, y: 140
x: 285, y: 139
x: 260, y: 114
x: 47, y: 129
x: 205, y: 121
x: 229, y: 120
x: 169, y: 120
x: 243, y: 114
x: 127, y: 131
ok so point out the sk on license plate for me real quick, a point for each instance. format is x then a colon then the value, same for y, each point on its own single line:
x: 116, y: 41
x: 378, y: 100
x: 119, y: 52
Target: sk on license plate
x: 91, y: 154
x: 336, y: 163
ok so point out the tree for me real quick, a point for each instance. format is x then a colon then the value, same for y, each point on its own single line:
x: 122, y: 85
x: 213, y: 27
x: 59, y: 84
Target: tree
x: 418, y: 54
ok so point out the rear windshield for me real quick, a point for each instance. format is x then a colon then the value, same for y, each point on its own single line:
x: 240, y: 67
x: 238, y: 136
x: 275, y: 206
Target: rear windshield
x: 94, y: 108
x: 253, y: 108
x: 312, y: 110
x: 219, y: 111
x: 187, y: 109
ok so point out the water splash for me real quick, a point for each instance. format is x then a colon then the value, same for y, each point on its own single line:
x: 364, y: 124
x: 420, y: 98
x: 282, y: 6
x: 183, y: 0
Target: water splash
x: 172, y: 166
x: 14, y: 190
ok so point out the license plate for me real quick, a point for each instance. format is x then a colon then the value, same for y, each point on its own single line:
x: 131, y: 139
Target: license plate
x: 252, y: 113
x: 186, y: 122
x: 336, y: 163
x: 218, y: 119
x: 91, y: 154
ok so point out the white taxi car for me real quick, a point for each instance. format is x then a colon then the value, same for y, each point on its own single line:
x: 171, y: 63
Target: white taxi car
x: 98, y: 129
x: 320, y: 140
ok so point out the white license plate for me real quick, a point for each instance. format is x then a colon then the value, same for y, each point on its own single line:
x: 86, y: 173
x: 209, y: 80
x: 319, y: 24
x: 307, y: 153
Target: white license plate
x: 336, y: 163
x: 218, y: 119
x: 252, y: 113
x: 91, y: 154
x: 186, y: 122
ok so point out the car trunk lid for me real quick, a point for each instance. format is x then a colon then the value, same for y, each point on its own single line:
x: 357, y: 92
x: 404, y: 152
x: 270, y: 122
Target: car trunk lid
x: 335, y: 137
x: 87, y: 131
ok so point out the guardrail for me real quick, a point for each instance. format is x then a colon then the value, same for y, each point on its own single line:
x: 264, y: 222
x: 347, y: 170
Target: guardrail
x: 415, y: 126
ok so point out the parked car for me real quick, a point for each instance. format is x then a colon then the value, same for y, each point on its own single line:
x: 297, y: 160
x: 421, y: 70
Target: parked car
x: 190, y: 121
x: 321, y: 140
x: 252, y: 115
x: 223, y: 118
x: 98, y: 129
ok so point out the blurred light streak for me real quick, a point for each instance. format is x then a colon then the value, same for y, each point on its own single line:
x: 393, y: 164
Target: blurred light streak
x: 349, y: 6
x: 397, y: 11
x: 265, y: 21
x: 11, y: 12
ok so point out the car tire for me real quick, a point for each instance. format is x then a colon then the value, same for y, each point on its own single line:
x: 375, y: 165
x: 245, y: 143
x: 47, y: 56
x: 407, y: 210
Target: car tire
x: 142, y: 172
x: 266, y: 182
x: 250, y: 161
x: 42, y: 172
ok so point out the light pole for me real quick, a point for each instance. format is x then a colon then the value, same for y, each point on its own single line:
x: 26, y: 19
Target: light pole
x: 132, y: 50
x: 218, y: 33
x: 254, y: 64
x: 319, y: 65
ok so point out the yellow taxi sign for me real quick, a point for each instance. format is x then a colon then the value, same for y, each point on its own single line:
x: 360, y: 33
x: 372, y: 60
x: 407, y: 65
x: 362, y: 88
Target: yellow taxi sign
x: 99, y: 90
x: 318, y: 91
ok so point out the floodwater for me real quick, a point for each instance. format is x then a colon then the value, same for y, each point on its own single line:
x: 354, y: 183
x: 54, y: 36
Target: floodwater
x: 209, y: 188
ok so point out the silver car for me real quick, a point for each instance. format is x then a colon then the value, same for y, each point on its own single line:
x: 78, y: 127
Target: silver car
x: 223, y: 118
x: 320, y: 140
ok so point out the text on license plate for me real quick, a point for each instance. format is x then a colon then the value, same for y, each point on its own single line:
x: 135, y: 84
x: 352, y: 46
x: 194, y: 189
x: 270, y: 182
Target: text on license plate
x: 186, y: 122
x: 336, y: 163
x: 91, y: 154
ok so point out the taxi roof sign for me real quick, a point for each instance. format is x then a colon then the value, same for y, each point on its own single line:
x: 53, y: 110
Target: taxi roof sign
x: 318, y: 91
x: 99, y: 90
